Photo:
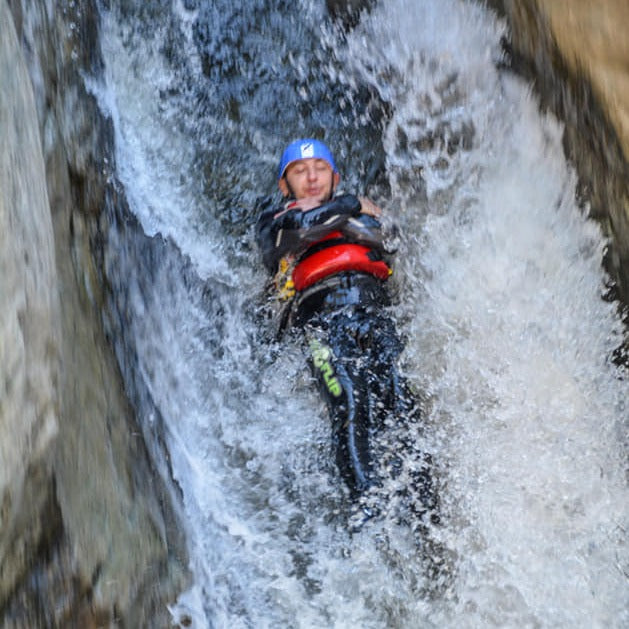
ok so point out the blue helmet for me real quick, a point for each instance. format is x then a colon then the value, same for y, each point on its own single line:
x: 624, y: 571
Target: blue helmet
x: 302, y: 149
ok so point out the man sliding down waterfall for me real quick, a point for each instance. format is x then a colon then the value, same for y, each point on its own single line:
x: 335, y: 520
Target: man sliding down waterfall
x: 327, y: 252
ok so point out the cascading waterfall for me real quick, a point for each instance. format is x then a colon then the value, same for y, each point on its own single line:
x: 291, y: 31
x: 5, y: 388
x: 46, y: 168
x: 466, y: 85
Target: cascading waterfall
x: 499, y: 295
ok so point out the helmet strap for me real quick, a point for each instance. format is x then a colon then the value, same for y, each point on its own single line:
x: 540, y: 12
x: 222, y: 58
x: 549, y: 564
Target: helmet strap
x: 291, y: 193
x: 331, y: 189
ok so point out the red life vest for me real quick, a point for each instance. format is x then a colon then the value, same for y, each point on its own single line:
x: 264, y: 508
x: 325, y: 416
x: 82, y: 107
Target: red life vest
x: 336, y: 259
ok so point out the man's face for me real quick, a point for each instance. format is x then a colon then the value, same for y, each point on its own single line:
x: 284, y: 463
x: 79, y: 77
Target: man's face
x: 309, y: 177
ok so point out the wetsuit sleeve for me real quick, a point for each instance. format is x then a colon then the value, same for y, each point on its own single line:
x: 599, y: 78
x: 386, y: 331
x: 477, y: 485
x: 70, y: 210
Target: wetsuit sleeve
x: 365, y: 230
x: 294, y: 230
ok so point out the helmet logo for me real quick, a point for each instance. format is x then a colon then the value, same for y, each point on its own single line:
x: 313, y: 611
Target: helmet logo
x: 307, y: 150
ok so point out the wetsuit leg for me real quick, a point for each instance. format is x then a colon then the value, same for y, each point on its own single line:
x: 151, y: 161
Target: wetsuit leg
x: 397, y: 414
x: 355, y: 348
x: 342, y: 378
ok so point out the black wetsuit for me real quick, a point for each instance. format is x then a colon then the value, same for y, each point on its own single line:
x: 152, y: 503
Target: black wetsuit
x: 353, y: 344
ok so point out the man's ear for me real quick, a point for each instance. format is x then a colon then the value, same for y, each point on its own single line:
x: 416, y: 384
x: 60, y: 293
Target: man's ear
x: 335, y: 180
x: 283, y: 186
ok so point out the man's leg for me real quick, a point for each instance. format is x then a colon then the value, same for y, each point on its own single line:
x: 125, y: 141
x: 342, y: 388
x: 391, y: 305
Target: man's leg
x: 337, y: 368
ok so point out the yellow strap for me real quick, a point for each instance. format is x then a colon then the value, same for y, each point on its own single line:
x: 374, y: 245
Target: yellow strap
x: 283, y: 280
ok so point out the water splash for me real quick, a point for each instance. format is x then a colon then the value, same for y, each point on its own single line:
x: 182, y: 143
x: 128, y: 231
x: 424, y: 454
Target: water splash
x: 499, y: 294
x: 526, y: 400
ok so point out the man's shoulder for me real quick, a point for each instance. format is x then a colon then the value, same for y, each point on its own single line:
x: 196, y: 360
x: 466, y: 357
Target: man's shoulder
x: 267, y: 207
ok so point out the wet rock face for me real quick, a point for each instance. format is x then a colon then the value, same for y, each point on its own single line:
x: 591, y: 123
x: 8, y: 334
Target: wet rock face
x: 88, y: 533
x: 29, y: 322
x: 348, y: 11
x: 577, y: 55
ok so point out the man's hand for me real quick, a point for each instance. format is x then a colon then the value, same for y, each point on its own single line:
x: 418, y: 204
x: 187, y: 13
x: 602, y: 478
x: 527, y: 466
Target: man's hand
x: 369, y: 207
x: 310, y: 203
x: 305, y: 204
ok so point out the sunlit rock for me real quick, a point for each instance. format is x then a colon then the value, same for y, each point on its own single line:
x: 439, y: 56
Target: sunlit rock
x: 577, y: 55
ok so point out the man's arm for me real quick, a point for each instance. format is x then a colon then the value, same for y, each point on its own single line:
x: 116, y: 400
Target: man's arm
x: 284, y: 231
x: 365, y: 230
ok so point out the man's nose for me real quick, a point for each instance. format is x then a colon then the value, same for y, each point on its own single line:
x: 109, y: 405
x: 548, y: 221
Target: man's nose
x: 312, y: 173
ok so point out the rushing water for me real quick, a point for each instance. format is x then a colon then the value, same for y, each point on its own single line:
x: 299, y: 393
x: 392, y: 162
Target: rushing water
x: 499, y: 294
